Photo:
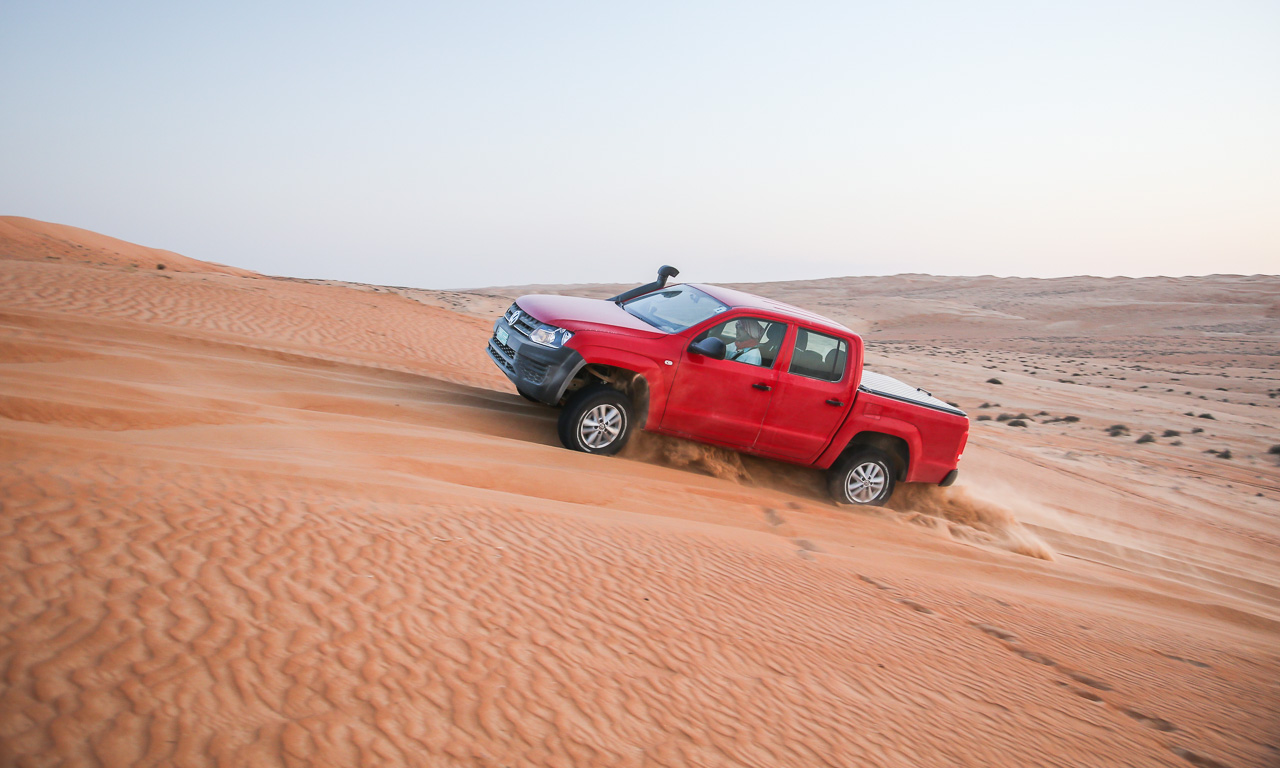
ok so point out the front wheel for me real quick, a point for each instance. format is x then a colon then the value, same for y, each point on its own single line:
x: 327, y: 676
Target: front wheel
x: 596, y: 420
x: 863, y: 478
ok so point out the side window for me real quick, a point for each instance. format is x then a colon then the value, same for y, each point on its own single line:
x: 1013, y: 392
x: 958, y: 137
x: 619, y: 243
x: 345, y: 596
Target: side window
x: 819, y: 356
x: 750, y: 340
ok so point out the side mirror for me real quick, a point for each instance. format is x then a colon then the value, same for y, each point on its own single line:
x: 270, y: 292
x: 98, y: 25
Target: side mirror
x: 709, y: 347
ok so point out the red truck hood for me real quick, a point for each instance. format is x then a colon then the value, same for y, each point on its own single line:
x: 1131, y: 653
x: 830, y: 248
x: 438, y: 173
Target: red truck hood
x: 575, y: 314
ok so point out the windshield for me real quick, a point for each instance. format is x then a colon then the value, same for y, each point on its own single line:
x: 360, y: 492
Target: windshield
x: 674, y: 309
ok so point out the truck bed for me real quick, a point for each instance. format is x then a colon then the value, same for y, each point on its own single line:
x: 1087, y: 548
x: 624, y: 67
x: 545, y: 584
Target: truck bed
x: 887, y: 386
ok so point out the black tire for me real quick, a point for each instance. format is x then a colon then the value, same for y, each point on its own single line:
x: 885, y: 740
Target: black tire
x: 863, y: 478
x: 596, y: 420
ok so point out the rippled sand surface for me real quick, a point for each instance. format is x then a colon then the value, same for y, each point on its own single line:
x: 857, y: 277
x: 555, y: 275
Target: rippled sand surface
x: 255, y: 521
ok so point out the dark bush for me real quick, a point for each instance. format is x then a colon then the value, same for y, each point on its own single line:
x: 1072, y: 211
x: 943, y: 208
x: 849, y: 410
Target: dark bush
x: 994, y: 381
x: 984, y: 417
x: 1225, y: 454
x: 1274, y: 450
x: 1197, y: 430
x: 1147, y: 438
x: 1207, y: 416
x: 1071, y: 419
x: 1117, y: 430
x: 1016, y: 423
x: 1171, y: 433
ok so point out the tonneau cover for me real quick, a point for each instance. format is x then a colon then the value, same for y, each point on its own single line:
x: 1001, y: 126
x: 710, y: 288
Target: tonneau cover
x: 887, y: 386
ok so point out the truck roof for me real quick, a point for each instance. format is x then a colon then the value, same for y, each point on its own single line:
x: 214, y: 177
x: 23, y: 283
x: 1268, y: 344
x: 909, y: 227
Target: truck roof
x: 751, y: 301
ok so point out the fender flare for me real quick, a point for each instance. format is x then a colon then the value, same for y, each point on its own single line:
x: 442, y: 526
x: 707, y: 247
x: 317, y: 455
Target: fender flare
x: 905, y: 431
x: 646, y: 368
x: 902, y: 430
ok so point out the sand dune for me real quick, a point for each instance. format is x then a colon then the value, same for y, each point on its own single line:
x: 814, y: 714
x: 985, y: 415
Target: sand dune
x: 257, y: 521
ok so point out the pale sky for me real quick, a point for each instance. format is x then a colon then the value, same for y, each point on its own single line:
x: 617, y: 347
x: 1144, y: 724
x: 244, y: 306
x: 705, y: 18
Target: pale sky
x: 467, y: 144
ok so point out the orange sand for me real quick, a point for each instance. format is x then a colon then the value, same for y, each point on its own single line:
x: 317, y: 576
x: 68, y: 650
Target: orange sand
x: 256, y: 521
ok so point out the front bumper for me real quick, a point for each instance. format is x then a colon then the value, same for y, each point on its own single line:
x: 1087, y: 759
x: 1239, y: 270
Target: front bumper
x: 538, y: 371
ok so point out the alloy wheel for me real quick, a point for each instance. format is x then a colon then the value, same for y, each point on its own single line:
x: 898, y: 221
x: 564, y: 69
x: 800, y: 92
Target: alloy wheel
x: 600, y: 426
x: 865, y: 482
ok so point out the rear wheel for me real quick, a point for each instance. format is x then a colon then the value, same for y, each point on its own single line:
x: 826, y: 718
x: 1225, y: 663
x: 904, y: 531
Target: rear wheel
x: 862, y: 478
x: 596, y: 420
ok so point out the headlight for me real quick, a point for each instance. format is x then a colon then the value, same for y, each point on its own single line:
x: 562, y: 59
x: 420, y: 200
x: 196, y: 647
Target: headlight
x: 550, y: 336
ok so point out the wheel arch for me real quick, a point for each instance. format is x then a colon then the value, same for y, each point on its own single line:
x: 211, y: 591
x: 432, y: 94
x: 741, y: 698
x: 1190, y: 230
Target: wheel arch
x: 636, y: 376
x: 893, y: 446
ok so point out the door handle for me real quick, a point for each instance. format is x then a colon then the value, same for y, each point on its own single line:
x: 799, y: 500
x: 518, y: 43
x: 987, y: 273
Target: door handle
x: 834, y: 402
x: 760, y: 385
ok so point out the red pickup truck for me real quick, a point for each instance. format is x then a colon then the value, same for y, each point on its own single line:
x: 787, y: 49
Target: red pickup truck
x: 732, y: 369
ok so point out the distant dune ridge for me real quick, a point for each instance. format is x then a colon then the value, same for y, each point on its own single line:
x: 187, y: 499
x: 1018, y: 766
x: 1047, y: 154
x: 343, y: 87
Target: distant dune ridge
x: 249, y: 520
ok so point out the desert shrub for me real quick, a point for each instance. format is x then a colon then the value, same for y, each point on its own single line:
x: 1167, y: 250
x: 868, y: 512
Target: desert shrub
x: 1005, y: 417
x: 1224, y: 454
x: 1016, y: 423
x: 984, y: 417
x: 1197, y: 430
x: 1171, y: 433
x: 1206, y: 416
x: 1176, y: 442
x: 994, y: 381
x: 1274, y: 450
x: 985, y: 405
x: 1147, y: 438
x: 1071, y: 419
x: 1117, y: 430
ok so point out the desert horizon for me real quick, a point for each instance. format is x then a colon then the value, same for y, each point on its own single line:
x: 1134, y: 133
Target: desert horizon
x: 277, y: 520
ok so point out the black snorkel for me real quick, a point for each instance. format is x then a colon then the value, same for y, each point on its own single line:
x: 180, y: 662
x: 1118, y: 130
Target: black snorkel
x: 663, y: 273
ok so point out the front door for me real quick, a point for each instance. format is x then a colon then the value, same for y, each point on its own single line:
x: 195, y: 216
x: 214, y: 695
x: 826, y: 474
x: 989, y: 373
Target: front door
x: 725, y: 401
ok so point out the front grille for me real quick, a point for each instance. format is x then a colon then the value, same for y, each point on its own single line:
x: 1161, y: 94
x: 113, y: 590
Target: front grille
x: 525, y: 324
x: 511, y: 353
x: 497, y: 358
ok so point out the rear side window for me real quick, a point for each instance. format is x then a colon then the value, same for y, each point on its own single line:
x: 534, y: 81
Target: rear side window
x: 819, y: 356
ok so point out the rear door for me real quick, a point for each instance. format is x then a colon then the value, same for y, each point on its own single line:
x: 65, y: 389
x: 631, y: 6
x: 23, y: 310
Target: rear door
x: 814, y: 393
x: 725, y: 401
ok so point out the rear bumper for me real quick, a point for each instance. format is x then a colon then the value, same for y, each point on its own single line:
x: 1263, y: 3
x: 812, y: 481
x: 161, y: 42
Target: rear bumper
x: 538, y: 371
x: 950, y: 478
